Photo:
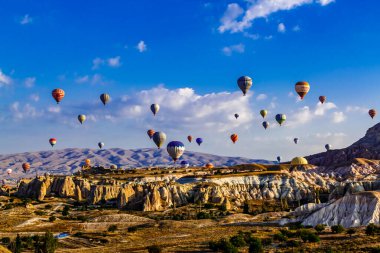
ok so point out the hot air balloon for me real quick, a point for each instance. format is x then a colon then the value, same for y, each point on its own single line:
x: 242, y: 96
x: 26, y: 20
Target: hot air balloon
x: 279, y: 158
x: 328, y: 147
x: 372, y: 113
x: 159, y: 138
x: 52, y: 141
x: 280, y: 118
x: 190, y: 138
x: 302, y: 88
x: 234, y: 138
x: 155, y: 108
x: 263, y: 113
x: 9, y: 171
x: 209, y: 165
x: 265, y: 124
x: 81, y: 118
x: 236, y: 115
x: 175, y: 149
x: 150, y: 133
x: 244, y: 83
x: 101, y: 145
x: 87, y: 162
x: 26, y: 167
x: 105, y: 98
x: 199, y: 141
x: 322, y: 99
x: 185, y: 164
x: 113, y: 167
x: 58, y: 95
x: 296, y: 140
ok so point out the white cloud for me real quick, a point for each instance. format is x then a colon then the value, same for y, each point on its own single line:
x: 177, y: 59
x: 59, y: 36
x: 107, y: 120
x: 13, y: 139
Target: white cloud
x: 322, y: 108
x: 34, y: 97
x: 236, y: 19
x: 91, y: 79
x: 4, y: 79
x: 355, y: 109
x: 82, y: 79
x: 338, y: 117
x: 114, y: 62
x: 254, y: 36
x: 261, y: 97
x: 26, y: 19
x: 296, y: 28
x: 97, y: 62
x: 329, y: 135
x: 30, y: 82
x: 54, y: 109
x: 141, y: 46
x: 19, y: 112
x: 281, y: 28
x: 306, y: 114
x: 238, y: 48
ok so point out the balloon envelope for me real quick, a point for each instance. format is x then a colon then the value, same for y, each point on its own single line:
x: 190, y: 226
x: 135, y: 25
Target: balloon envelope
x: 101, y: 145
x: 185, y: 164
x: 175, y: 149
x: 81, y: 118
x: 150, y: 133
x: 190, y: 138
x: 234, y: 138
x: 279, y: 158
x: 236, y: 115
x: 26, y: 167
x: 322, y: 99
x: 87, y: 162
x: 302, y: 88
x: 265, y: 124
x: 372, y: 113
x: 263, y: 113
x: 105, y: 98
x: 280, y: 118
x: 155, y: 108
x: 199, y: 141
x: 9, y: 171
x: 296, y: 140
x: 52, y: 141
x: 159, y: 138
x: 58, y: 95
x: 244, y: 83
x: 209, y: 165
x: 328, y: 147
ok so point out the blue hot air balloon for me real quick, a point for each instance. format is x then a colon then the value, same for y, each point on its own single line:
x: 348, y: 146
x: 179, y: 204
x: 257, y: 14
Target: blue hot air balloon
x: 199, y: 141
x: 185, y: 164
x: 279, y: 158
x: 175, y: 149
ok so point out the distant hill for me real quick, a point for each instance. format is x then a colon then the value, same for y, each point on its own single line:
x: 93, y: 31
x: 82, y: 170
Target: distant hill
x: 367, y: 147
x: 67, y: 161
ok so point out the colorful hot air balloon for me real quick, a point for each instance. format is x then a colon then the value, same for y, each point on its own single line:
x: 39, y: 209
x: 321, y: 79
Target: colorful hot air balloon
x: 52, y: 141
x: 302, y: 88
x: 322, y: 99
x: 265, y: 124
x: 155, y: 108
x: 175, y: 149
x: 101, y: 145
x: 236, y: 116
x: 263, y: 113
x: 185, y: 164
x: 113, y: 167
x: 280, y: 118
x: 26, y: 167
x: 105, y: 98
x: 58, y: 95
x: 87, y: 162
x: 244, y: 83
x: 190, y: 138
x: 279, y: 158
x: 159, y: 138
x: 150, y: 133
x: 199, y: 141
x: 81, y: 118
x: 372, y: 113
x: 234, y: 138
x: 328, y: 147
x: 209, y: 165
x: 296, y: 140
x: 9, y: 171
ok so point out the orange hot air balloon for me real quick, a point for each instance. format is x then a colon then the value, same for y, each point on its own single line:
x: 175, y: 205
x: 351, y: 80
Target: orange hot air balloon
x: 190, y: 138
x: 234, y: 138
x: 150, y: 133
x: 87, y: 162
x: 372, y: 113
x: 322, y: 99
x: 209, y: 165
x: 26, y: 167
x: 302, y: 88
x: 58, y: 95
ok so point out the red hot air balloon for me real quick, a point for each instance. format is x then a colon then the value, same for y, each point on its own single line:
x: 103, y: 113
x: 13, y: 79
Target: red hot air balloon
x: 372, y: 113
x: 322, y: 99
x: 52, y: 141
x: 234, y: 138
x: 190, y: 138
x: 302, y: 88
x: 26, y: 167
x: 150, y: 133
x: 58, y: 95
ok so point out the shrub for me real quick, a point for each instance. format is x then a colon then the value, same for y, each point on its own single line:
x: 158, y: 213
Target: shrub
x: 112, y: 228
x: 65, y: 211
x: 280, y: 237
x: 203, y: 215
x: 52, y: 218
x: 337, y: 229
x: 48, y: 206
x: 372, y: 229
x: 267, y: 241
x: 255, y: 245
x: 293, y: 243
x: 39, y: 212
x: 320, y: 228
x: 351, y: 231
x: 238, y: 240
x: 132, y: 229
x: 307, y: 236
x: 223, y: 245
x: 154, y: 249
x: 5, y: 240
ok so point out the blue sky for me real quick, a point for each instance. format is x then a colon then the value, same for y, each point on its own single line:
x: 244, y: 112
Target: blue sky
x: 190, y: 52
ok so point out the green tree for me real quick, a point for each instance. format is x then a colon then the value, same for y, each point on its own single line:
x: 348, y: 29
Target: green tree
x: 320, y: 228
x: 337, y: 229
x: 255, y: 245
x: 65, y: 211
x: 351, y: 231
x: 238, y: 240
x: 112, y: 228
x: 372, y: 230
x: 18, y: 245
x: 50, y: 243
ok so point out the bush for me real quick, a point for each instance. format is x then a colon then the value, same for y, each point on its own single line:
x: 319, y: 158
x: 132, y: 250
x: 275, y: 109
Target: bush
x: 238, y: 240
x: 372, y: 230
x: 337, y: 229
x: 52, y: 218
x: 5, y: 240
x: 255, y: 245
x: 65, y: 211
x: 154, y: 249
x: 112, y: 228
x: 39, y: 213
x: 224, y: 246
x: 351, y: 231
x: 320, y: 228
x: 280, y: 237
x: 293, y: 243
x: 48, y: 206
x: 307, y: 236
x: 132, y: 229
x: 267, y: 241
x: 203, y: 215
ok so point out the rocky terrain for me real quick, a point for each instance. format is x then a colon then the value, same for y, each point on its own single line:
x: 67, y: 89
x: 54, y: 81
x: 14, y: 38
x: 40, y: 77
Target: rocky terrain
x: 68, y: 161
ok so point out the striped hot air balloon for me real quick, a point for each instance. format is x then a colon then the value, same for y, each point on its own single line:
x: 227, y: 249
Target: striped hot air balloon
x: 150, y: 133
x: 185, y: 164
x: 322, y: 99
x: 280, y: 118
x: 302, y: 88
x: 244, y: 83
x: 58, y: 95
x: 26, y: 167
x: 175, y: 149
x: 372, y: 113
x: 155, y: 108
x: 105, y: 98
x: 52, y: 141
x: 159, y: 138
x: 296, y: 140
x: 328, y: 147
x: 101, y: 145
x: 234, y: 138
x: 265, y: 124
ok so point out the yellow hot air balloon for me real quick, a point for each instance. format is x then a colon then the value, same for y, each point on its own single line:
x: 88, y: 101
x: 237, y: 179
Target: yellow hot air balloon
x: 81, y: 118
x: 302, y: 88
x: 299, y: 161
x: 263, y: 113
x: 87, y: 162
